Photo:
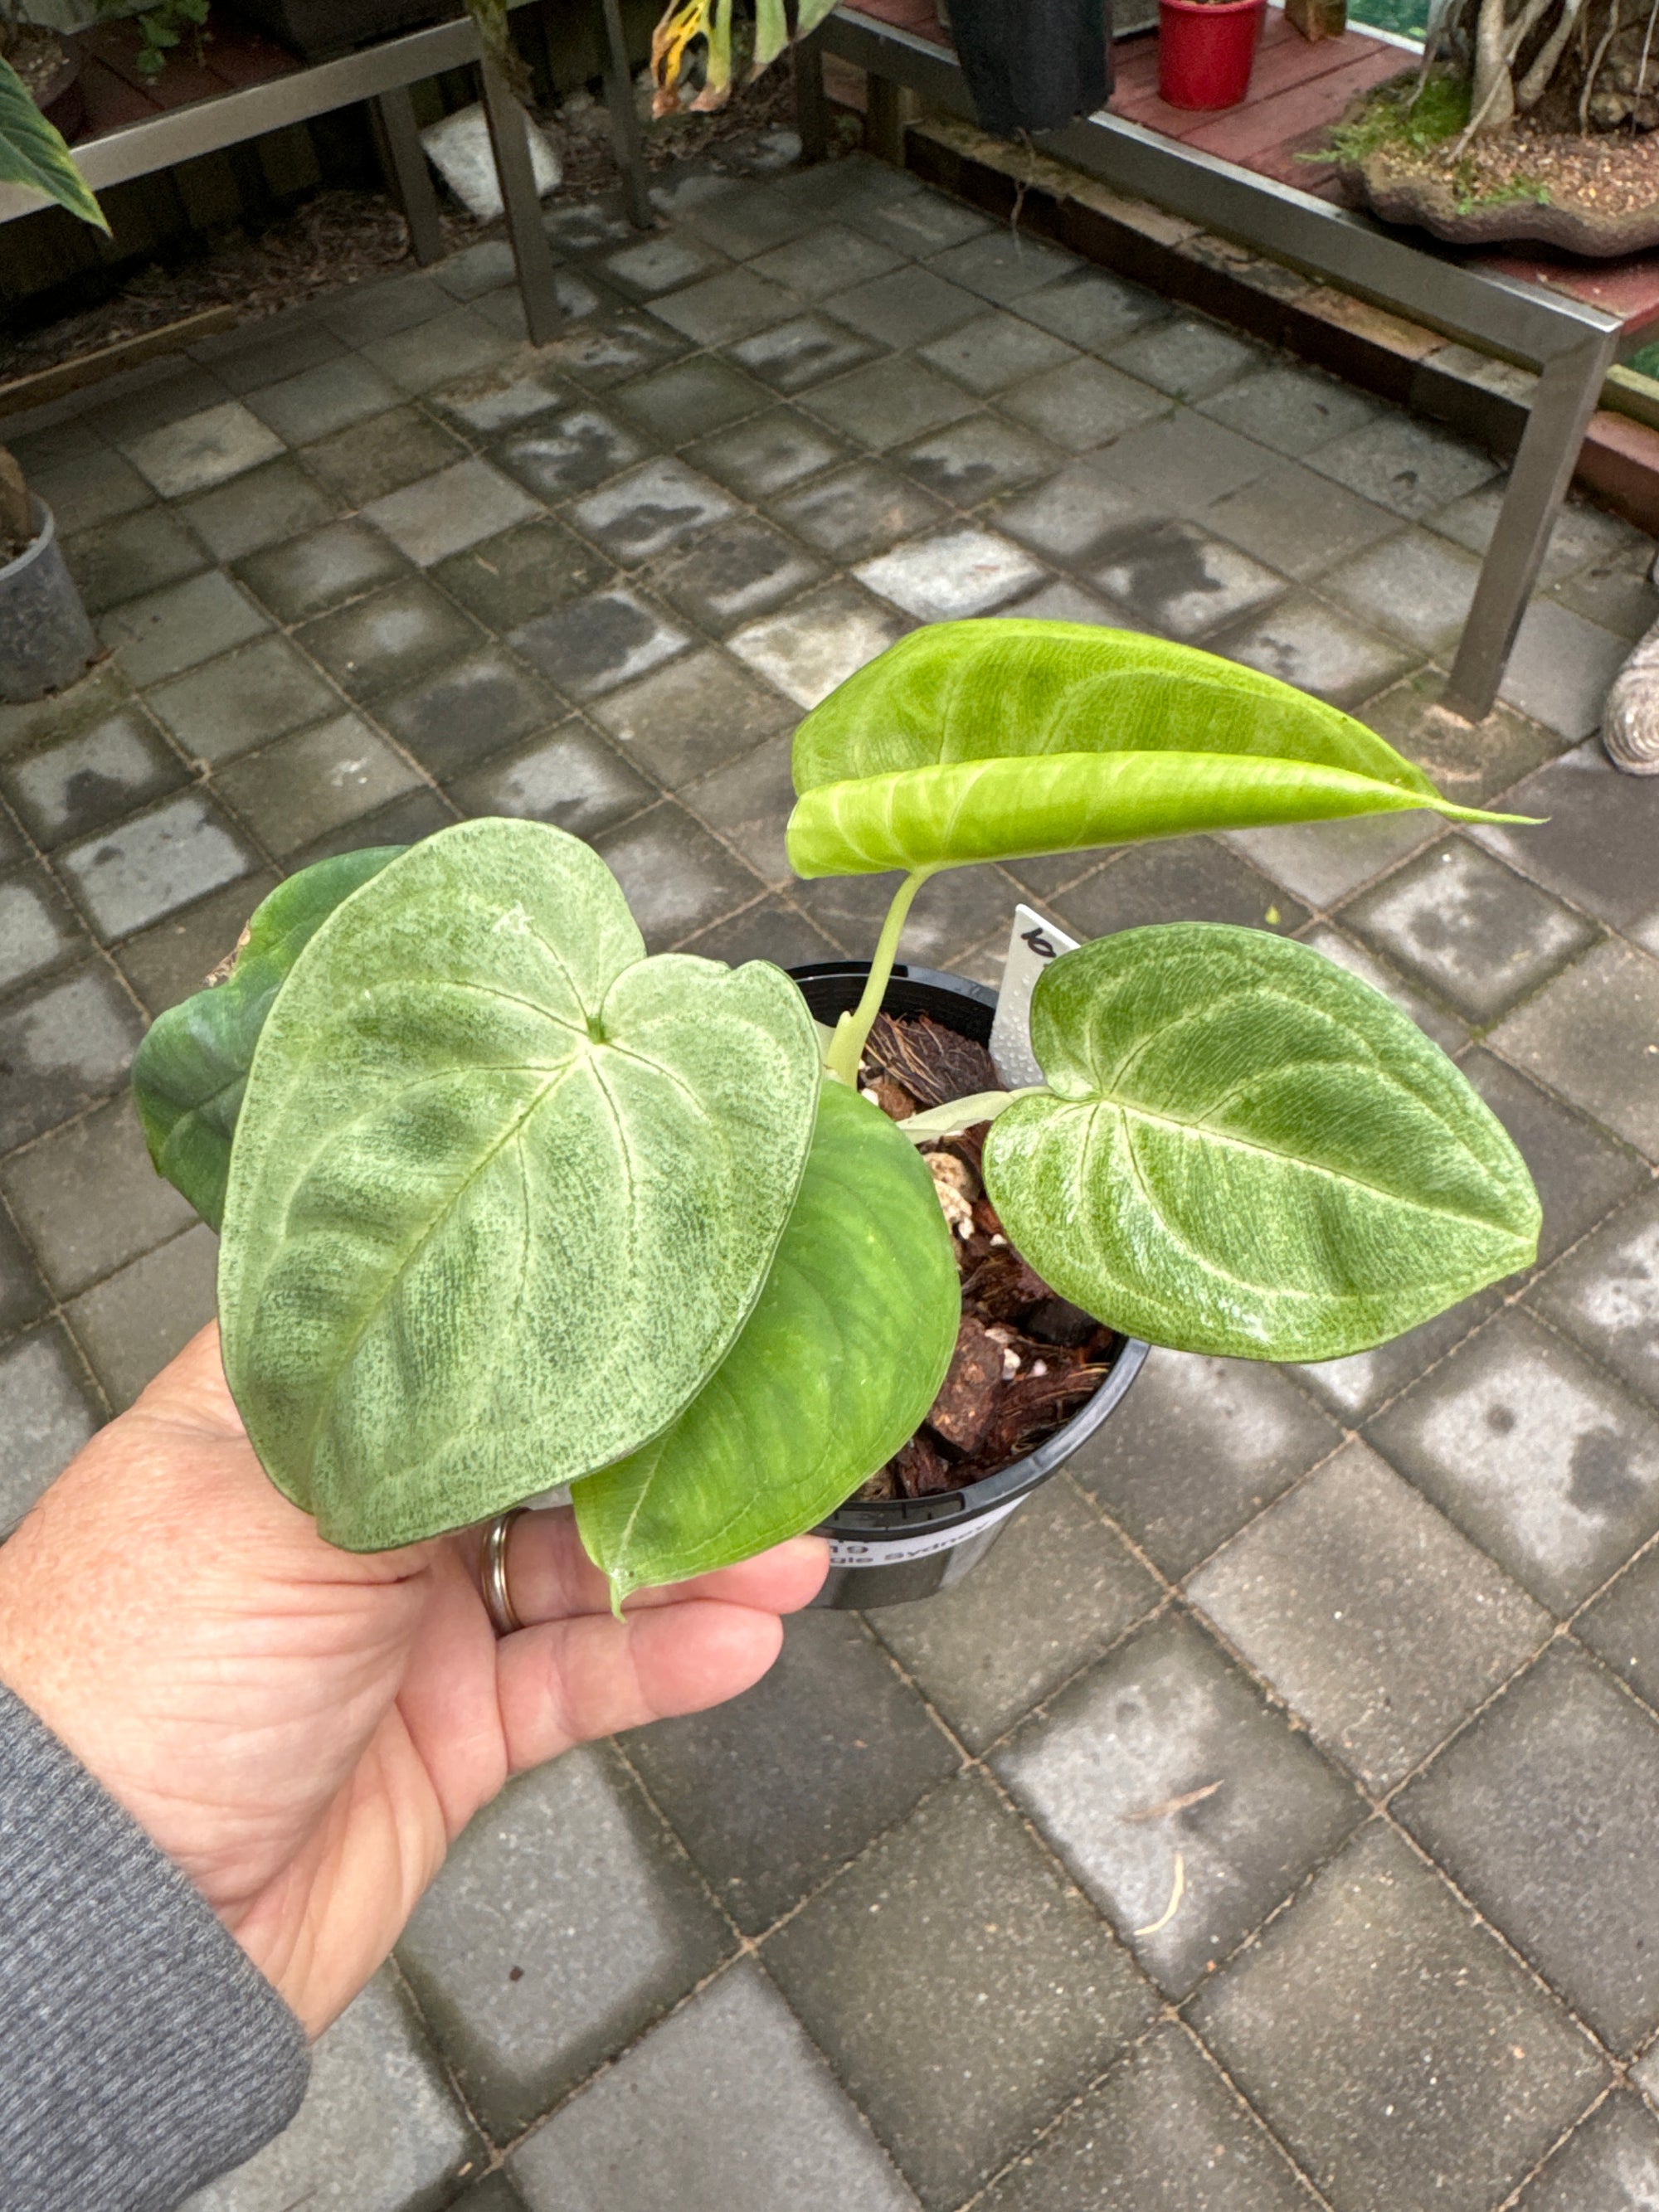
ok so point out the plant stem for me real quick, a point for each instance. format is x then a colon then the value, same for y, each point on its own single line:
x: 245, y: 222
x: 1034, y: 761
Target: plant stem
x: 852, y: 1031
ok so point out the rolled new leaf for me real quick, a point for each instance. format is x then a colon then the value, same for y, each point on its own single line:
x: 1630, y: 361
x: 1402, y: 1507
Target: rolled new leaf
x: 1248, y: 1151
x: 190, y: 1071
x: 836, y: 1368
x: 503, y: 1191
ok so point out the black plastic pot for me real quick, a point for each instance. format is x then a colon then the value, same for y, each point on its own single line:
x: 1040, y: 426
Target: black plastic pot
x: 321, y: 30
x: 45, y: 640
x: 895, y: 1550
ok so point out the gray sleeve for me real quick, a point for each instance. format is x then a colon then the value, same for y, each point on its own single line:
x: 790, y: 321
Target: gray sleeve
x: 141, y: 2051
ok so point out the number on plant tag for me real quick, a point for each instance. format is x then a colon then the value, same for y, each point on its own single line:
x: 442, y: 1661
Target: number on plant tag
x: 1032, y: 944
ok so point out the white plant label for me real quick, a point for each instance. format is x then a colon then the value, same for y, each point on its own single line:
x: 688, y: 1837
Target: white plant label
x: 854, y: 1552
x: 1032, y: 944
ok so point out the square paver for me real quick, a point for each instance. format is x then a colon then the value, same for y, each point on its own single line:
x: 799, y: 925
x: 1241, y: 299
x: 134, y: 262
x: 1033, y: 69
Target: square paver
x: 1432, y: 1016
x: 817, y: 642
x: 389, y: 639
x: 973, y: 459
x: 1590, y: 1033
x: 1580, y: 1172
x: 957, y: 572
x: 609, y: 352
x: 136, y: 554
x: 1081, y: 515
x: 1535, y: 1453
x: 771, y: 930
x: 203, y: 450
x: 958, y: 911
x: 367, y: 459
x: 691, y: 716
x: 1091, y: 307
x: 1542, y: 1814
x: 748, y: 218
x: 63, y: 1044
x: 1413, y: 584
x: 1469, y: 927
x: 1184, y: 461
x: 1400, y: 462
x: 266, y: 507
x: 1181, y: 582
x: 1292, y: 410
x: 323, y: 569
x: 173, y: 958
x: 1162, y: 1719
x: 858, y: 511
x: 62, y: 790
x: 445, y: 513
x: 1298, y: 523
x: 533, y: 1965
x: 1058, y: 1587
x: 24, y: 1297
x: 766, y: 454
x: 658, y: 265
x: 509, y: 579
x: 1471, y: 2071
x: 89, y: 1200
x: 421, y: 812
x: 1189, y: 357
x: 570, y: 778
x: 136, y: 1320
x: 1469, y: 762
x: 1377, y: 1623
x: 1610, y: 2166
x: 905, y: 308
x: 1084, y: 403
x: 691, y: 398
x: 677, y: 877
x: 961, y: 1988
x: 242, y: 699
x: 1322, y: 862
x: 825, y: 261
x: 723, y: 307
x: 464, y: 714
x: 1164, y: 2129
x: 654, y: 509
x: 131, y: 875
x: 1305, y: 642
x: 367, y: 312
x: 793, y: 356
x: 748, y: 802
x: 743, y: 570
x: 38, y: 930
x: 86, y: 489
x: 321, y: 401
x: 1622, y: 1628
x: 593, y: 644
x: 888, y: 403
x: 1591, y: 837
x: 51, y: 1412
x: 1561, y: 669
x: 1605, y: 1294
x: 727, y: 2107
x: 1184, y: 879
x: 923, y: 223
x: 166, y: 631
x: 1003, y: 265
x: 496, y: 400
x: 996, y: 350
x: 766, y: 1820
x: 296, y: 790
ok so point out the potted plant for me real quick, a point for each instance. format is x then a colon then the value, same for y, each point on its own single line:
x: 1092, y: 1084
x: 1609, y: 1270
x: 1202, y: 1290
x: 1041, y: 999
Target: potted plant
x: 1206, y: 49
x: 505, y: 1202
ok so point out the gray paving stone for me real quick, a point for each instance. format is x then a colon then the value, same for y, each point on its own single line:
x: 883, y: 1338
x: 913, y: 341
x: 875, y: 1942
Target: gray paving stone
x: 748, y: 802
x: 1181, y: 582
x: 653, y: 509
x: 677, y: 877
x: 103, y: 691
x: 178, y: 628
x: 1409, y: 467
x: 153, y: 394
x: 1535, y: 1453
x: 1305, y: 642
x: 1064, y: 602
x: 496, y: 400
x: 793, y: 356
x: 1084, y: 403
x: 1164, y: 1715
x: 1580, y: 1173
x: 445, y: 513
x: 534, y: 1964
x: 905, y: 308
x: 973, y: 459
x: 961, y: 1988
x: 1605, y: 1294
x: 1413, y: 585
x: 1612, y: 595
x: 825, y: 261
x: 743, y: 570
x: 817, y: 642
x: 1594, y: 841
x: 51, y: 1412
x: 596, y: 643
x: 747, y: 220
x: 301, y: 787
x: 773, y: 1792
x: 261, y: 691
x: 367, y: 312
x: 691, y: 716
x: 1542, y: 1814
x: 658, y: 265
x: 725, y: 2108
x: 1189, y: 357
x: 1370, y: 1616
x: 1587, y: 1035
x: 951, y: 575
x: 276, y: 501
x: 369, y: 459
x: 63, y: 1045
x: 771, y: 930
x: 858, y: 511
x: 389, y: 639
x: 1003, y: 265
x: 89, y: 1200
x: 1162, y: 2129
x: 262, y: 351
x: 1057, y: 1588
x: 380, y: 2131
x: 691, y: 398
x: 1184, y: 462
x: 889, y: 403
x: 723, y: 307
x: 466, y: 713
x: 586, y: 226
x: 1468, y: 764
x: 570, y: 778
x: 925, y: 222
x: 174, y: 958
x: 319, y: 401
x: 1622, y: 1628
x: 307, y: 575
x: 1292, y: 410
x: 1469, y: 927
x: 418, y: 813
x: 1091, y: 307
x: 1471, y: 2071
x: 130, y: 876
x: 89, y: 488
x: 509, y: 579
x: 24, y: 1297
x: 1583, y: 533
x: 1297, y: 522
x: 137, y: 554
x: 1611, y: 2164
x: 133, y: 1322
x: 38, y: 930
x: 202, y: 450
x: 1081, y: 515
x: 503, y: 311
x: 1435, y: 1018
x: 1188, y: 879
x: 1322, y: 862
x: 996, y: 350
x: 1561, y: 669
x: 478, y: 269
x: 766, y: 454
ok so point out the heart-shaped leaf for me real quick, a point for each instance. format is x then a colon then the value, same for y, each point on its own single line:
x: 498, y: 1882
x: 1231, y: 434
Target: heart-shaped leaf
x: 837, y: 1367
x: 191, y: 1070
x: 1248, y: 1151
x: 503, y: 1190
x: 993, y: 740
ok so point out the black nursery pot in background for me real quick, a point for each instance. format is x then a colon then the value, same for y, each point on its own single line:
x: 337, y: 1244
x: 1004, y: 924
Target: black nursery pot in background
x: 893, y: 1550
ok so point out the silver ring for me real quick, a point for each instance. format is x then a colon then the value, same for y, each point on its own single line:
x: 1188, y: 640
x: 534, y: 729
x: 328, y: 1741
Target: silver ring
x: 498, y: 1603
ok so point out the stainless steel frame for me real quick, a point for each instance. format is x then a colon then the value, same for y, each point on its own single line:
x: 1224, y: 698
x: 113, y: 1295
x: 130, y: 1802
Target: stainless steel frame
x: 1571, y: 345
x: 383, y: 74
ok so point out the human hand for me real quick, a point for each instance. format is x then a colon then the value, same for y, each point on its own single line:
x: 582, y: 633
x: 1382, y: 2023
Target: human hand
x: 304, y: 1731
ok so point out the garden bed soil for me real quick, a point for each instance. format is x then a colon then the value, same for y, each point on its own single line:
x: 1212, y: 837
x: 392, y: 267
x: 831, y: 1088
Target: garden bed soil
x: 1026, y: 1360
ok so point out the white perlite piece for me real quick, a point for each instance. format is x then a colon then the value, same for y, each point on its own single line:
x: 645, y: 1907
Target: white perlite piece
x: 458, y: 148
x: 1032, y: 944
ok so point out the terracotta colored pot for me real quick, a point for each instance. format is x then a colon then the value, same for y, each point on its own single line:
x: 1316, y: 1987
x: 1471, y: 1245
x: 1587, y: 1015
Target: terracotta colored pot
x: 1205, y: 50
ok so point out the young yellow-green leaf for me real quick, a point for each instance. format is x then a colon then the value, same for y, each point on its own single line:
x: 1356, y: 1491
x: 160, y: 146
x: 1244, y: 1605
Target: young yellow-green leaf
x: 836, y: 1368
x: 191, y: 1070
x: 33, y: 153
x: 992, y: 739
x: 503, y: 1190
x: 1249, y: 1152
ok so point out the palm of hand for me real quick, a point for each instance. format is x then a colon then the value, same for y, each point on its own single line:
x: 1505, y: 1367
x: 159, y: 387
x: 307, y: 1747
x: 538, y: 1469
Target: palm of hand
x: 304, y: 1731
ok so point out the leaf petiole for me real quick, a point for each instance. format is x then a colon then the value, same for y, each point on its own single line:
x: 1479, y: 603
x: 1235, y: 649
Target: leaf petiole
x: 852, y: 1031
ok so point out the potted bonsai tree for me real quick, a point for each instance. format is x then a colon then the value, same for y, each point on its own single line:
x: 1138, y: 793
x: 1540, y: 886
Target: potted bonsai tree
x: 506, y: 1201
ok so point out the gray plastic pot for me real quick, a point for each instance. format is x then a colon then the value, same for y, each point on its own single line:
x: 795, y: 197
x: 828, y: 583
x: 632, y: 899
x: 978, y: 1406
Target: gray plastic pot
x: 45, y: 640
x: 895, y: 1550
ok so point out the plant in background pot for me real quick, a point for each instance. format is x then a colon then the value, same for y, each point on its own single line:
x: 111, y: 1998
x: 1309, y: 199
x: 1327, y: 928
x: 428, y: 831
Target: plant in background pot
x: 506, y: 1201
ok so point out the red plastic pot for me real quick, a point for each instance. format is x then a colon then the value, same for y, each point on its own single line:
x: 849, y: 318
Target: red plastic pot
x: 1205, y: 50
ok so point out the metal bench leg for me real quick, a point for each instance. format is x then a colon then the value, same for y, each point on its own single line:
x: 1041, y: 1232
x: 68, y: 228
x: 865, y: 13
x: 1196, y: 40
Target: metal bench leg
x: 532, y: 256
x: 889, y: 110
x: 410, y: 177
x: 1566, y: 397
x: 811, y: 108
x: 624, y: 120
